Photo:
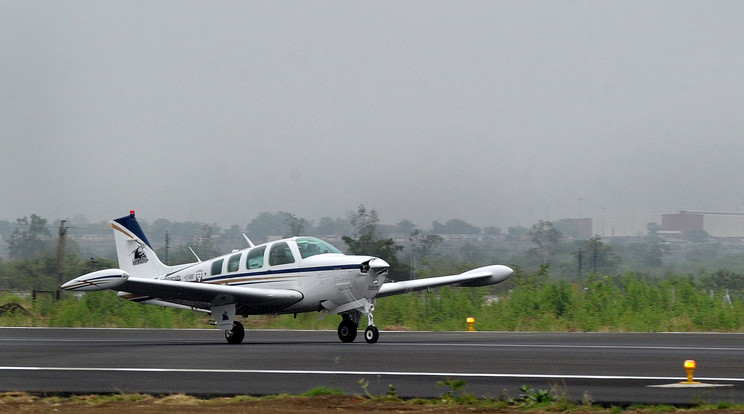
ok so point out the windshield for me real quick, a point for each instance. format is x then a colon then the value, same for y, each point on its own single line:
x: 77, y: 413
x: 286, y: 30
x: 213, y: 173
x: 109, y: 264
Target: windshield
x: 310, y: 246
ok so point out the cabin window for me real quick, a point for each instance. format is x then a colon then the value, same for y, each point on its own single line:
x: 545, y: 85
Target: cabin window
x: 280, y: 254
x: 310, y: 246
x: 233, y: 264
x: 217, y: 266
x: 255, y: 258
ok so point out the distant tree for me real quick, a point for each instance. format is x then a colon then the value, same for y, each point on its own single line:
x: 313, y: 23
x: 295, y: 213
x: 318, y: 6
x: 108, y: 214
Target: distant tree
x: 545, y: 236
x: 598, y: 256
x: 702, y: 253
x: 205, y: 246
x: 517, y: 232
x: 492, y: 231
x: 268, y: 224
x: 724, y: 279
x: 6, y: 229
x: 365, y: 241
x: 37, y: 273
x: 406, y: 227
x: 454, y: 226
x: 26, y: 241
x: 423, y: 245
x: 231, y: 238
x: 159, y: 227
x: 654, y: 253
x: 652, y: 230
x: 364, y: 236
x: 327, y: 226
x: 472, y: 253
x: 296, y: 225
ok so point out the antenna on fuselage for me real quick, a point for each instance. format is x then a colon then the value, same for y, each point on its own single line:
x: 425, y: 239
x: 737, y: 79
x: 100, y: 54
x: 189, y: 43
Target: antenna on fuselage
x: 194, y: 253
x: 250, y: 243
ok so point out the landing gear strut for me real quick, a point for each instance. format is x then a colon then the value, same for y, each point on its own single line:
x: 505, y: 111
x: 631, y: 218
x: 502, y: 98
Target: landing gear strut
x: 371, y: 334
x: 236, y: 334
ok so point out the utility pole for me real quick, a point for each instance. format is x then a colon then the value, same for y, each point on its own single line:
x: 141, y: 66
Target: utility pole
x: 594, y: 258
x: 60, y: 255
x: 167, y: 240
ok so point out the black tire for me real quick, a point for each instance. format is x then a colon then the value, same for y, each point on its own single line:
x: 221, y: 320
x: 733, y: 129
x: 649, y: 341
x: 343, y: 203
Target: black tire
x: 347, y: 330
x: 236, y: 334
x: 371, y: 334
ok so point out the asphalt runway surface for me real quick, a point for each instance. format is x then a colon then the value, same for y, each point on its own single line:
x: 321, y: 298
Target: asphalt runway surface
x: 608, y: 368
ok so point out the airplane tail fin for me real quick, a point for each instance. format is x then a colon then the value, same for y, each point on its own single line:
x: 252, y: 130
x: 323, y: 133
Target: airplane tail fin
x: 136, y: 255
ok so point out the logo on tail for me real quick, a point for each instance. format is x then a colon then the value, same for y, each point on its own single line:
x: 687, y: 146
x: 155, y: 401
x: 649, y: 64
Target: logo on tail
x: 139, y: 256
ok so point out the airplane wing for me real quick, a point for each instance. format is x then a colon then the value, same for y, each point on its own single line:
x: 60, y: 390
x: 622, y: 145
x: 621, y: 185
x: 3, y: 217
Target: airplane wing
x: 201, y: 295
x: 256, y: 300
x: 482, y: 276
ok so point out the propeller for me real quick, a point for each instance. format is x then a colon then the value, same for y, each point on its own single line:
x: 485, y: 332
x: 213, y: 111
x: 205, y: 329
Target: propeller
x: 376, y: 265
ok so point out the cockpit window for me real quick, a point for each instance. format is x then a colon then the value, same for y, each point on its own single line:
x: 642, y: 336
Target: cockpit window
x: 255, y: 258
x: 310, y: 246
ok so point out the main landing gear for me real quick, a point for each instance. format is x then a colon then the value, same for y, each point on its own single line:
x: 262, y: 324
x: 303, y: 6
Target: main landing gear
x: 236, y: 334
x: 347, y: 329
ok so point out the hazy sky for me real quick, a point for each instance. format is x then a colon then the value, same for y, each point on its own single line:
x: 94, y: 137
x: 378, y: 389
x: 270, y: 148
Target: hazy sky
x: 496, y: 112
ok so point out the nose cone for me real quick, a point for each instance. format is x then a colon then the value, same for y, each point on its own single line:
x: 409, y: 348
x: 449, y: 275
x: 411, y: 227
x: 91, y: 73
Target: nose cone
x: 378, y: 265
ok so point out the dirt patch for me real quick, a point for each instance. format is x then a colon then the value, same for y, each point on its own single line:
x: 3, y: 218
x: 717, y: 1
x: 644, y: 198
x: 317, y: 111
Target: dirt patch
x: 21, y: 403
x: 13, y: 307
x: 185, y: 404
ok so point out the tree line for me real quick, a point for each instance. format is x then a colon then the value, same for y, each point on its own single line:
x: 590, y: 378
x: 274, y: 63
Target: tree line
x: 32, y: 243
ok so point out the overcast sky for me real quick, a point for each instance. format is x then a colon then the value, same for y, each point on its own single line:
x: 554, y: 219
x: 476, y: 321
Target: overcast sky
x: 498, y: 113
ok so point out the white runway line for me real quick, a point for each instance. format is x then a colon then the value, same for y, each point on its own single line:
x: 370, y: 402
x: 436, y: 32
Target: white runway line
x: 388, y: 373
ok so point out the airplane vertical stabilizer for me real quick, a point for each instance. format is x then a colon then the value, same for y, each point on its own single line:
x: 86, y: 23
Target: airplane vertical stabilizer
x: 133, y: 250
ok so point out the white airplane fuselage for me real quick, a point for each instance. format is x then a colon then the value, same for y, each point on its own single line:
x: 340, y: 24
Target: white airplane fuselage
x: 326, y: 280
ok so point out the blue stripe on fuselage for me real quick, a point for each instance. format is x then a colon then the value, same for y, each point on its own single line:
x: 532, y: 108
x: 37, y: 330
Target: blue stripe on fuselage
x: 279, y: 272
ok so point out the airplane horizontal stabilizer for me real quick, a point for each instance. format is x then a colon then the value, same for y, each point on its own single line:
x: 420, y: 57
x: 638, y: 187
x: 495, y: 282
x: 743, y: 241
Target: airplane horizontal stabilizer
x: 99, y: 280
x: 482, y: 276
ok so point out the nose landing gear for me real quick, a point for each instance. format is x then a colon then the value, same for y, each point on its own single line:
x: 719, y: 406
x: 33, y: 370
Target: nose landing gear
x: 371, y: 334
x: 347, y: 329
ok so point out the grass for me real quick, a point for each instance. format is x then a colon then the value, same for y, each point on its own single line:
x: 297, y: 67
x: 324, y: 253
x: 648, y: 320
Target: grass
x: 623, y: 304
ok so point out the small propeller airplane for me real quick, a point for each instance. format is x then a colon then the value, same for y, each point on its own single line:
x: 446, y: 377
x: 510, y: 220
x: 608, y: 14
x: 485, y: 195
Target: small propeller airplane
x: 289, y: 276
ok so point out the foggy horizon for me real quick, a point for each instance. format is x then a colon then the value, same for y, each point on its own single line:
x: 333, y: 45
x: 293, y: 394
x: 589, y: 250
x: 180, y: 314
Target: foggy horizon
x: 496, y: 113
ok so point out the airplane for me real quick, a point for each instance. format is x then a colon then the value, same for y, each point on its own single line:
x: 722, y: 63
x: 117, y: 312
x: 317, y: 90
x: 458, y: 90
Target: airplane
x: 288, y: 276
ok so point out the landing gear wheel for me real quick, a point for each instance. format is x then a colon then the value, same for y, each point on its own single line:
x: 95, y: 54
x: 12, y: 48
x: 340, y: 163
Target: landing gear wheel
x: 371, y: 334
x: 236, y: 334
x: 347, y: 330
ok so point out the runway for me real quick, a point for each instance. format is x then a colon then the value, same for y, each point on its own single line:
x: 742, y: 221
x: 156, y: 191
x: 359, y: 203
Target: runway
x: 605, y: 367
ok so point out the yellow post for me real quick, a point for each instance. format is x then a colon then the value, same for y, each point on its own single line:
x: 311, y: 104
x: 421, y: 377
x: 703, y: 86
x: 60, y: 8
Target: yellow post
x: 690, y: 368
x: 471, y: 321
